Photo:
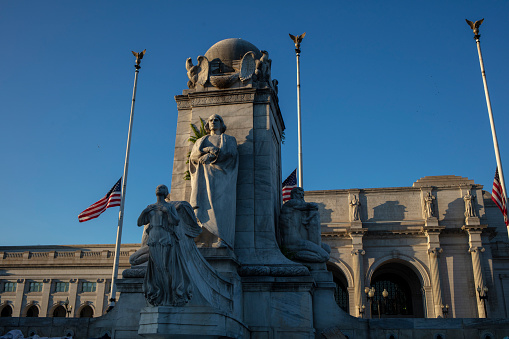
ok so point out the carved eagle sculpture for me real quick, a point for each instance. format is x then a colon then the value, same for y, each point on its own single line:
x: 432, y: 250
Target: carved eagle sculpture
x: 297, y: 40
x: 199, y: 73
x: 139, y: 56
x: 475, y: 25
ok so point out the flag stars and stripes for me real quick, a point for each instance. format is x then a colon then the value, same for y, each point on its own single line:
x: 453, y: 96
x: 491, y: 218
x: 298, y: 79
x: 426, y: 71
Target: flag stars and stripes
x: 111, y: 199
x: 497, y: 195
x: 288, y: 185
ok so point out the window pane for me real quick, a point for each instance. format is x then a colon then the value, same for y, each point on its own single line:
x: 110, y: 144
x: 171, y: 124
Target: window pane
x: 35, y: 287
x: 88, y: 287
x: 62, y: 287
x: 10, y: 287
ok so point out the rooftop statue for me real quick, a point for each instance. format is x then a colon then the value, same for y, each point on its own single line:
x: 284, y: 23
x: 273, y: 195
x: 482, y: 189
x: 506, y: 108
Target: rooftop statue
x: 301, y: 230
x: 213, y: 167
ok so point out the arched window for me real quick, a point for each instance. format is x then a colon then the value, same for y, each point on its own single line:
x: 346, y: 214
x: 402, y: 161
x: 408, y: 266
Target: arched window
x: 340, y: 291
x: 6, y: 311
x: 404, y: 296
x: 59, y: 312
x: 33, y: 312
x: 87, y: 312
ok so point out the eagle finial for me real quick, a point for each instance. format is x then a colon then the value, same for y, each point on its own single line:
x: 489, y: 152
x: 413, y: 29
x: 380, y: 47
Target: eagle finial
x: 138, y: 56
x: 297, y: 40
x: 475, y: 27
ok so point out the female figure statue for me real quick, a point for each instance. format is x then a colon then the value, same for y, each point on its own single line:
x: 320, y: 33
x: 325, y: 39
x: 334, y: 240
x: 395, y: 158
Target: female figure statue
x: 213, y: 166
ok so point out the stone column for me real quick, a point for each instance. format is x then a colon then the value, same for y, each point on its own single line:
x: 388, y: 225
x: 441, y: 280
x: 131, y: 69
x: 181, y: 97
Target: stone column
x: 478, y: 277
x: 18, y: 303
x: 475, y: 249
x: 73, y: 292
x: 46, y: 290
x: 99, y: 297
x: 357, y: 278
x: 435, y: 280
x: 434, y: 250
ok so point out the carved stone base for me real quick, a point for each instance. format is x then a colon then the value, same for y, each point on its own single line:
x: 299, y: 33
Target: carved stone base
x: 189, y: 322
x: 469, y: 221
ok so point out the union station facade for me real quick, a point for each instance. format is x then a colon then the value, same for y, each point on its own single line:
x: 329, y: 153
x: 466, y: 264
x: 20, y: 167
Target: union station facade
x: 393, y: 255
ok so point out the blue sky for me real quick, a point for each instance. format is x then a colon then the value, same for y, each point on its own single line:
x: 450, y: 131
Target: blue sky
x: 391, y: 92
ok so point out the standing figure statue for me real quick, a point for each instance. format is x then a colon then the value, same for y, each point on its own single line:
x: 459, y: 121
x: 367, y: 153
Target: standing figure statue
x: 301, y: 229
x: 167, y: 280
x: 428, y: 200
x: 355, y: 205
x: 469, y: 209
x: 213, y: 166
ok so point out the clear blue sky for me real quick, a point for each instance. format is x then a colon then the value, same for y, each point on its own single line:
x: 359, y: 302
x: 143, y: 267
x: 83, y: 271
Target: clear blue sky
x: 391, y: 92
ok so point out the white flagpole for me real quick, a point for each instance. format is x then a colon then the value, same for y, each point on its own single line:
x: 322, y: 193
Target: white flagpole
x: 477, y: 36
x: 114, y: 275
x: 297, y: 40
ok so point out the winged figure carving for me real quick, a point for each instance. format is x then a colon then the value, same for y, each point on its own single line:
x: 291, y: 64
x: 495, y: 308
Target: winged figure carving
x: 199, y: 73
x: 475, y: 25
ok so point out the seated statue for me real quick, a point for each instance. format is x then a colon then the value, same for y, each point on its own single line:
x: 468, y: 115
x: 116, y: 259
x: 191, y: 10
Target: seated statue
x: 300, y: 229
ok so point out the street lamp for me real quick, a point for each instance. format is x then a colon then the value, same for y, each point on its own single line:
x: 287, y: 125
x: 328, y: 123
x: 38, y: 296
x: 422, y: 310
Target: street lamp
x: 362, y: 309
x: 483, y: 295
x: 385, y: 294
x: 445, y: 310
x: 370, y: 293
x: 68, y: 308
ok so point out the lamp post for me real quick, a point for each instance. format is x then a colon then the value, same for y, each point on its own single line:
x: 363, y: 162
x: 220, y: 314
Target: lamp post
x: 370, y: 294
x: 68, y: 308
x: 385, y: 294
x: 483, y: 295
x: 445, y: 310
x: 362, y: 309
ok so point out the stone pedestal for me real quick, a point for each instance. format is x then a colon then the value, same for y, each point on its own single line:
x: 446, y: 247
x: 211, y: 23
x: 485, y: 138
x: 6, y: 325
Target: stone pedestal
x: 189, y: 322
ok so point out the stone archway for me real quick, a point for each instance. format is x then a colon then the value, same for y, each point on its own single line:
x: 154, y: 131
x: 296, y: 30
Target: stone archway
x: 404, y: 287
x: 86, y: 312
x: 32, y: 312
x: 58, y: 312
x: 6, y: 311
x: 341, y: 295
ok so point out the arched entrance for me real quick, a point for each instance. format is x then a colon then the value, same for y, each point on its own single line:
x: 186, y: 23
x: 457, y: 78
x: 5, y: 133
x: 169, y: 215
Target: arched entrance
x: 404, y: 296
x: 32, y: 312
x: 341, y: 289
x: 6, y: 311
x: 87, y: 312
x: 59, y: 312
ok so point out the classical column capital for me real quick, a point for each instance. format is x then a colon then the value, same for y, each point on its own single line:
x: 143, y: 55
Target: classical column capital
x: 475, y: 249
x: 356, y: 252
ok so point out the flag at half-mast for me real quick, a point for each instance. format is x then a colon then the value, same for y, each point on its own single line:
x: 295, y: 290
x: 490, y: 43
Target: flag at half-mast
x: 497, y: 195
x: 288, y: 185
x: 111, y: 199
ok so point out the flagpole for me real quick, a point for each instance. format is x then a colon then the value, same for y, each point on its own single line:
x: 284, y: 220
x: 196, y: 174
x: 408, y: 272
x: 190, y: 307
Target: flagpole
x: 297, y: 40
x: 477, y: 36
x: 114, y: 275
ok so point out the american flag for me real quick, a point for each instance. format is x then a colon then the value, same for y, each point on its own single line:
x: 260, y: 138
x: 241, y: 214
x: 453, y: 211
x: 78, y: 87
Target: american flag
x: 497, y: 196
x: 289, y: 184
x: 111, y: 199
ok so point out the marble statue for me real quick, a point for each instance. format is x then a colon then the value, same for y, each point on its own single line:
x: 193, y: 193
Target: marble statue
x: 213, y: 167
x: 428, y: 209
x: 301, y: 230
x: 469, y: 201
x: 167, y: 279
x: 355, y: 205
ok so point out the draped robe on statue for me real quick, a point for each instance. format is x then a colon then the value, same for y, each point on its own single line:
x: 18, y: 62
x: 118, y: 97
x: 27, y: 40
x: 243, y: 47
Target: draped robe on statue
x: 214, y: 187
x: 167, y: 281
